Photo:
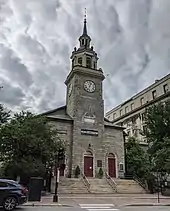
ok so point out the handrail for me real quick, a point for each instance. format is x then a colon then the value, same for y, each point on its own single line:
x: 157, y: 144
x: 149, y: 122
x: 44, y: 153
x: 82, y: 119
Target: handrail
x: 111, y: 181
x: 85, y: 180
x: 139, y: 181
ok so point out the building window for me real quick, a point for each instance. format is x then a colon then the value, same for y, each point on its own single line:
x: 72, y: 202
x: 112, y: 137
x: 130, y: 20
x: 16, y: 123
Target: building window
x: 121, y: 112
x: 144, y: 129
x: 133, y: 119
x: 154, y: 94
x: 132, y: 106
x: 114, y: 116
x: 121, y: 166
x: 142, y: 101
x: 94, y: 65
x: 143, y: 116
x: 135, y: 132
x: 88, y: 62
x: 80, y: 61
x: 165, y: 88
x: 99, y: 163
x: 126, y: 109
x: 82, y: 41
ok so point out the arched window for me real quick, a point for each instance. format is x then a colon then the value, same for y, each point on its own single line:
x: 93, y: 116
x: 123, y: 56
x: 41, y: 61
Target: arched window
x: 111, y: 155
x: 82, y: 41
x: 88, y: 154
x: 80, y: 61
x: 88, y: 62
x: 94, y: 65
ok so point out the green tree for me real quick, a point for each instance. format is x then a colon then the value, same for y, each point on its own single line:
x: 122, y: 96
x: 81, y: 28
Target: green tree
x: 28, y: 145
x: 4, y: 114
x: 137, y: 160
x: 157, y: 133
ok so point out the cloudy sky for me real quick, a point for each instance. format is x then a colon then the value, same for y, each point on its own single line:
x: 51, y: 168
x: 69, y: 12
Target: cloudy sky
x: 131, y: 37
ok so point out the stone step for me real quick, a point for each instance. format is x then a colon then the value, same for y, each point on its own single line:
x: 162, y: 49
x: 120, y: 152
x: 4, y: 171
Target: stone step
x: 100, y: 186
x: 72, y: 185
x: 128, y: 186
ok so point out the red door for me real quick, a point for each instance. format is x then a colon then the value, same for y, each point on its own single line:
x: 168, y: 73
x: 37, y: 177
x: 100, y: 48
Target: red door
x: 112, y: 167
x: 88, y: 166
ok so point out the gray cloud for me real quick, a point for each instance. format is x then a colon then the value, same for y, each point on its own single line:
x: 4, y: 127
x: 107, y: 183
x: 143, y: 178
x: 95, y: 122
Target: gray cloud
x: 131, y: 37
x: 11, y: 95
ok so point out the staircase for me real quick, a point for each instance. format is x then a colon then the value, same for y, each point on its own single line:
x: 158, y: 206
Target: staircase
x: 72, y: 185
x: 128, y: 186
x: 100, y: 186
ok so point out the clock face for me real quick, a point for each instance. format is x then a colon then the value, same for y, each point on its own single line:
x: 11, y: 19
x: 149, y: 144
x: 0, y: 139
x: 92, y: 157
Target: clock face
x: 89, y: 86
x: 70, y: 89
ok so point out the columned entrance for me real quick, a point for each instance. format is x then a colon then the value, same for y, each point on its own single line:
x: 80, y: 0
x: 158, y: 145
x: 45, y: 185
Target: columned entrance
x: 112, y: 165
x: 88, y: 164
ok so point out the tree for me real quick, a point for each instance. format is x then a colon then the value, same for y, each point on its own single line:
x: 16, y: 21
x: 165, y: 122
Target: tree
x: 28, y: 145
x: 4, y: 115
x: 157, y: 133
x: 137, y: 160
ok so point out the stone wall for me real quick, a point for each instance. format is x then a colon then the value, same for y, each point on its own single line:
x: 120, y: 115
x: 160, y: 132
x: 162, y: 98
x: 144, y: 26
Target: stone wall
x: 114, y: 143
x: 65, y: 129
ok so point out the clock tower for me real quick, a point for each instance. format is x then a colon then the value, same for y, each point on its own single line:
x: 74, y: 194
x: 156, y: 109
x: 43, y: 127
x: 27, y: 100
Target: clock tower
x: 85, y: 99
x: 92, y: 142
x: 84, y: 83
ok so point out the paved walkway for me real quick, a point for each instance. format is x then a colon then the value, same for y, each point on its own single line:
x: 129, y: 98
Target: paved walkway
x: 116, y: 199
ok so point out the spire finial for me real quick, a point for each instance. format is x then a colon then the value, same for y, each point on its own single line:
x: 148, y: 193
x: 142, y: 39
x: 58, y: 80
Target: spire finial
x: 85, y: 27
x: 85, y: 13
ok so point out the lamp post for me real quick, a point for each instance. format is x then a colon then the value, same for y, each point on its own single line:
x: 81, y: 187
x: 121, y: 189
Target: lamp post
x: 158, y: 181
x: 55, y: 197
x: 57, y: 170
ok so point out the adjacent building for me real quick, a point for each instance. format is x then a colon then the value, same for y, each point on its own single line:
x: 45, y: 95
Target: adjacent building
x: 129, y: 114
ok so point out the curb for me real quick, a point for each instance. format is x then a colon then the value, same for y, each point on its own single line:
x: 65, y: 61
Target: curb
x: 146, y: 205
x: 46, y: 205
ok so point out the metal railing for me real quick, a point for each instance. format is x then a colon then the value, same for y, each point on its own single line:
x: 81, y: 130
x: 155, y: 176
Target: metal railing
x: 139, y: 181
x: 111, y: 182
x: 85, y: 181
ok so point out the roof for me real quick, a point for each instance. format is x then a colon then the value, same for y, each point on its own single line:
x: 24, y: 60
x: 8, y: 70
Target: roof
x: 61, y: 113
x: 108, y: 123
x: 140, y: 93
x: 58, y: 113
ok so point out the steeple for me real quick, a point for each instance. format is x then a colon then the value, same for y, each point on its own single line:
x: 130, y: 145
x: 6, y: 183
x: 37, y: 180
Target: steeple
x: 85, y: 55
x: 85, y: 38
x: 85, y: 25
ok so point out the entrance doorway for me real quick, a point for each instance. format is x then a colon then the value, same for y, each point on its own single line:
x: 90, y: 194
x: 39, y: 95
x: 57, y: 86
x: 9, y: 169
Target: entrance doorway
x: 88, y: 164
x: 62, y: 167
x: 112, y: 165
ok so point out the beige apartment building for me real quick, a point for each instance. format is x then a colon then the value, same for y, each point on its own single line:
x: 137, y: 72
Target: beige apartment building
x: 129, y: 114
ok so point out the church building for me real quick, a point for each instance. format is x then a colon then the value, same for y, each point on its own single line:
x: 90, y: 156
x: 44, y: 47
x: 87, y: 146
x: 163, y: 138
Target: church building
x: 92, y: 142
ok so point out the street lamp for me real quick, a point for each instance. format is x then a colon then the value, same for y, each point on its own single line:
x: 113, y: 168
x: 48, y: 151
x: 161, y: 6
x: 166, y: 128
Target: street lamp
x: 59, y: 158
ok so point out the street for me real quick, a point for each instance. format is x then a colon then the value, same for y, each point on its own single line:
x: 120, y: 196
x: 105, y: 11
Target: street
x: 94, y: 208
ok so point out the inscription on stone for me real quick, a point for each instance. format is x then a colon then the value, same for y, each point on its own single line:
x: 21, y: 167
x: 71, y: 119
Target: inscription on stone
x: 89, y: 132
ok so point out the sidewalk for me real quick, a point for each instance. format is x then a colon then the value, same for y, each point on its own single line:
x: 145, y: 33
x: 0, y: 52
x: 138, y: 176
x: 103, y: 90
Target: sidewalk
x: 73, y: 200
x: 90, y: 195
x: 48, y: 201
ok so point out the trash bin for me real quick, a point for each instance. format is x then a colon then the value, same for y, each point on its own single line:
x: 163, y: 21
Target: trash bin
x: 35, y: 188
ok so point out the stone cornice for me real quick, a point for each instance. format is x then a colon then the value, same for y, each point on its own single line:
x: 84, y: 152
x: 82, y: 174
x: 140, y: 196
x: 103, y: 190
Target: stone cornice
x: 86, y: 72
